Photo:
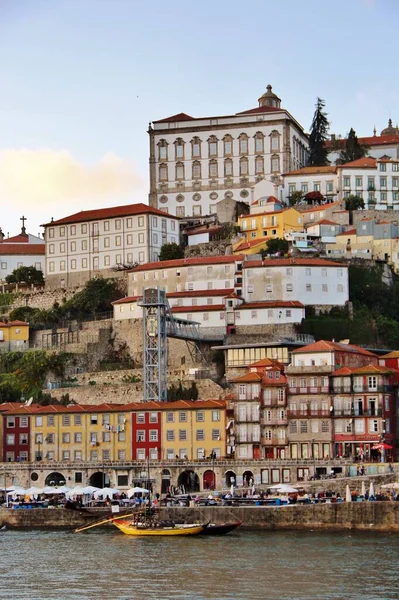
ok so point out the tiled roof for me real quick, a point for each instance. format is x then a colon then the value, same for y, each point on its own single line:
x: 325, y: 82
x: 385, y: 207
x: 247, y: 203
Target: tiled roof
x: 109, y: 213
x: 260, y: 110
x: 14, y: 324
x: 374, y: 140
x: 312, y: 171
x: 393, y: 354
x: 250, y: 244
x: 349, y: 232
x: 372, y: 369
x: 342, y: 371
x: 327, y: 346
x: 188, y: 262
x: 322, y: 222
x: 295, y: 262
x: 361, y: 163
x: 224, y: 293
x: 174, y: 118
x: 248, y: 377
x: 322, y: 207
x: 202, y: 308
x: 212, y: 229
x: 266, y: 362
x: 22, y: 249
x: 21, y: 238
x: 271, y: 304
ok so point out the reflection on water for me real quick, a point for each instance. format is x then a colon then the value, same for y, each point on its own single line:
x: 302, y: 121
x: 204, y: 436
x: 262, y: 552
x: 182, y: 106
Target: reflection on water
x: 244, y: 565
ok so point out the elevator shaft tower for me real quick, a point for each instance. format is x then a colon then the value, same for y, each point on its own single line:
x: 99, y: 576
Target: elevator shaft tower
x: 155, y: 309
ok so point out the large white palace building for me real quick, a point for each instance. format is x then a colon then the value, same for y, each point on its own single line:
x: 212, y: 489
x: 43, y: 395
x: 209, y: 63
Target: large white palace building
x: 196, y: 162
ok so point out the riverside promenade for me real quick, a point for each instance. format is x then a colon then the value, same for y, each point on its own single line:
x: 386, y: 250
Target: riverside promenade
x: 370, y: 516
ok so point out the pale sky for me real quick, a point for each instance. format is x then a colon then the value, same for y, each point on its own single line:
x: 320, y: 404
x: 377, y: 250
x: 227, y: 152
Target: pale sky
x: 81, y: 79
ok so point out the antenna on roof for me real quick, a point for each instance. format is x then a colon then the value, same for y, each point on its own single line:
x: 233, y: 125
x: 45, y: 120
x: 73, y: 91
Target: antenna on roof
x: 29, y: 402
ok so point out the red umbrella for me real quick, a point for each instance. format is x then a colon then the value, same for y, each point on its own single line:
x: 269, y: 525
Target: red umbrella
x: 381, y: 446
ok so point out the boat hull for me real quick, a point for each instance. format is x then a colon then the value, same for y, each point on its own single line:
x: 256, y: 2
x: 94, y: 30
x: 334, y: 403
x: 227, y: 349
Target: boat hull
x: 129, y: 529
x: 220, y: 529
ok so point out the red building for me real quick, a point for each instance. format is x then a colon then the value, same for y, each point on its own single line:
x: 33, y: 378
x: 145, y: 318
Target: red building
x: 146, y: 431
x: 16, y: 436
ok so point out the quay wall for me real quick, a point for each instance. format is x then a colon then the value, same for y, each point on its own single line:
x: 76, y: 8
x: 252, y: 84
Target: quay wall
x: 366, y: 516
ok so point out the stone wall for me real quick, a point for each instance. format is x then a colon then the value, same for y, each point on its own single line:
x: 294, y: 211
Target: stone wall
x: 392, y: 216
x: 216, y: 248
x: 43, y: 299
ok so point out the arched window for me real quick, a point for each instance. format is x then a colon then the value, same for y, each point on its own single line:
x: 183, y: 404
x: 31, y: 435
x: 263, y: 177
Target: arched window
x: 213, y: 169
x: 259, y: 165
x: 259, y: 142
x: 196, y: 170
x: 228, y: 167
x: 243, y: 138
x: 195, y: 147
x: 275, y: 163
x: 212, y: 146
x: 243, y: 167
x: 163, y: 172
x: 179, y: 148
x: 228, y: 145
x: 162, y: 150
x: 179, y: 171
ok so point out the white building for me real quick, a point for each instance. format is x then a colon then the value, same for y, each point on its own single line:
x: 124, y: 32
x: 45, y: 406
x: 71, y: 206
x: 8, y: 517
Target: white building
x: 103, y: 241
x: 22, y: 250
x: 385, y: 144
x: 196, y: 162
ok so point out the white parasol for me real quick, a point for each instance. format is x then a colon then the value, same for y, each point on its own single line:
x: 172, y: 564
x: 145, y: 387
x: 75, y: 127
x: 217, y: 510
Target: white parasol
x: 363, y: 488
x: 137, y: 490
x: 106, y: 493
x: 348, y: 496
x: 371, y: 490
x: 90, y: 489
x: 34, y: 491
x: 391, y: 486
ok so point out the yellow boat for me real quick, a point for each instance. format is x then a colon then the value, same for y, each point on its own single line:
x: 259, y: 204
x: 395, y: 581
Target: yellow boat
x: 143, y: 529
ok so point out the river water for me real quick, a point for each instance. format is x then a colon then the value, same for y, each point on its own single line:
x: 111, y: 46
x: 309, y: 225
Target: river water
x: 105, y: 564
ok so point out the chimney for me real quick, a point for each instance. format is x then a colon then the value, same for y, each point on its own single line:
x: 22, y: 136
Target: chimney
x: 1, y: 235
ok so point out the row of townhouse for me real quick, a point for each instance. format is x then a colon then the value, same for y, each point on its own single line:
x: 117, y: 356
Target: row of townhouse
x: 374, y: 180
x: 233, y: 291
x: 112, y: 432
x: 333, y: 400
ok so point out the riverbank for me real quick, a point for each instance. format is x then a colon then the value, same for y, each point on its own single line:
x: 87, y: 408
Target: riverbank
x: 371, y: 516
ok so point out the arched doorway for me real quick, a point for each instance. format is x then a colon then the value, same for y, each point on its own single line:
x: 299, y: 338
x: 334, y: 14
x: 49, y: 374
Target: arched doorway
x: 188, y: 482
x: 55, y: 479
x: 99, y: 479
x: 247, y: 478
x: 165, y: 482
x: 209, y: 479
x: 230, y: 478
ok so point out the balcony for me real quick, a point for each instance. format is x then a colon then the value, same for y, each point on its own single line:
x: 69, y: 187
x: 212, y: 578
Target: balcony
x: 274, y: 421
x: 377, y: 412
x: 291, y: 370
x: 247, y: 419
x: 301, y: 414
x: 274, y: 441
x: 310, y: 390
x: 247, y: 398
x: 339, y: 389
x: 248, y: 438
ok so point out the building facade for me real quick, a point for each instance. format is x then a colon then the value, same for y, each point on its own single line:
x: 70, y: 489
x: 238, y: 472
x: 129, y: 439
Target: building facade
x: 196, y: 162
x: 103, y: 241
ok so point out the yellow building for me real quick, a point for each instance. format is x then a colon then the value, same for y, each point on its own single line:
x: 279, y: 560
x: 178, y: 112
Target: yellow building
x: 81, y: 433
x: 194, y: 430
x: 267, y: 225
x: 14, y: 336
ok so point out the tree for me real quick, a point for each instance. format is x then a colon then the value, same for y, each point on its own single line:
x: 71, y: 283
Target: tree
x: 314, y: 197
x: 171, y: 252
x: 354, y: 203
x: 96, y: 296
x: 275, y: 246
x: 295, y: 197
x: 26, y: 275
x: 353, y: 150
x: 318, y: 136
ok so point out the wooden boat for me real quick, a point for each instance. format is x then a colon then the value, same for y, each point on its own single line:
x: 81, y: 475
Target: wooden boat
x: 220, y: 528
x: 155, y: 528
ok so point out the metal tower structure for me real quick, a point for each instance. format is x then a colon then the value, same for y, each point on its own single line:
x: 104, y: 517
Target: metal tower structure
x: 155, y: 309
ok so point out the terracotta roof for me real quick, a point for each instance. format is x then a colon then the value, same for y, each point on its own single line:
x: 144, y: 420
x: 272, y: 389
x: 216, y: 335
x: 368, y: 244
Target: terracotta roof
x: 109, y: 213
x: 205, y: 229
x: 312, y: 171
x: 202, y: 308
x: 271, y: 304
x: 374, y: 140
x: 349, y: 232
x: 250, y: 244
x: 327, y: 346
x: 21, y: 238
x: 22, y: 249
x: 342, y: 371
x: 322, y: 222
x: 371, y: 369
x: 14, y: 324
x: 322, y: 207
x: 179, y: 117
x: 361, y: 163
x: 248, y: 377
x: 260, y: 110
x: 393, y: 354
x: 295, y: 262
x: 188, y: 262
x: 188, y: 294
x: 266, y: 362
x: 271, y: 212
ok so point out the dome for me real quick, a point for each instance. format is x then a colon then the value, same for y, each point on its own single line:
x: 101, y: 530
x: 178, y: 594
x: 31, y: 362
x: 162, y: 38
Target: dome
x: 390, y: 130
x: 269, y: 98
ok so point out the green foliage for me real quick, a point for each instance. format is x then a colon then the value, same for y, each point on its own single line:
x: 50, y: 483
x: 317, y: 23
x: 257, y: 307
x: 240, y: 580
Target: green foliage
x: 6, y: 299
x: 171, y: 252
x: 318, y: 136
x: 275, y: 246
x: 26, y: 275
x: 95, y: 297
x: 92, y: 382
x: 131, y: 379
x: 22, y: 313
x: 295, y: 198
x: 353, y: 202
x: 353, y: 150
x: 182, y: 393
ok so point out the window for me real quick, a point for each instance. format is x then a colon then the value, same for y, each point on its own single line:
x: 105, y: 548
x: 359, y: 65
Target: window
x: 78, y: 419
x: 10, y: 439
x: 62, y: 231
x: 324, y: 287
x: 243, y: 144
x: 308, y: 287
x: 170, y: 435
x: 200, y: 416
x: 163, y: 150
x: 228, y: 167
x: 182, y: 417
x: 274, y: 142
x: 259, y: 142
x: 228, y: 145
x: 293, y: 427
x: 215, y: 435
x: 77, y: 438
x: 383, y: 167
x: 303, y: 426
x: 347, y: 181
x: 200, y: 435
x: 66, y: 438
x: 170, y: 417
x: 180, y: 211
x: 395, y: 167
x: 196, y: 148
x: 259, y: 165
x: 213, y: 168
x: 243, y: 166
x: 51, y: 233
x: 163, y: 174
x: 213, y: 146
x: 215, y: 415
x: 372, y: 382
x: 196, y: 170
x: 289, y: 287
x: 179, y: 170
x: 23, y: 421
x: 153, y: 435
x: 153, y: 417
x: 182, y: 435
x: 275, y: 164
x: 83, y: 228
x: 383, y: 182
x: 140, y: 435
x: 66, y: 455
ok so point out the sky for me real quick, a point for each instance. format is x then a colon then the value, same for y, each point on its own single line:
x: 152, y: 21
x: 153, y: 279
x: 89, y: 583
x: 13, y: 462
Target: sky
x: 81, y: 79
